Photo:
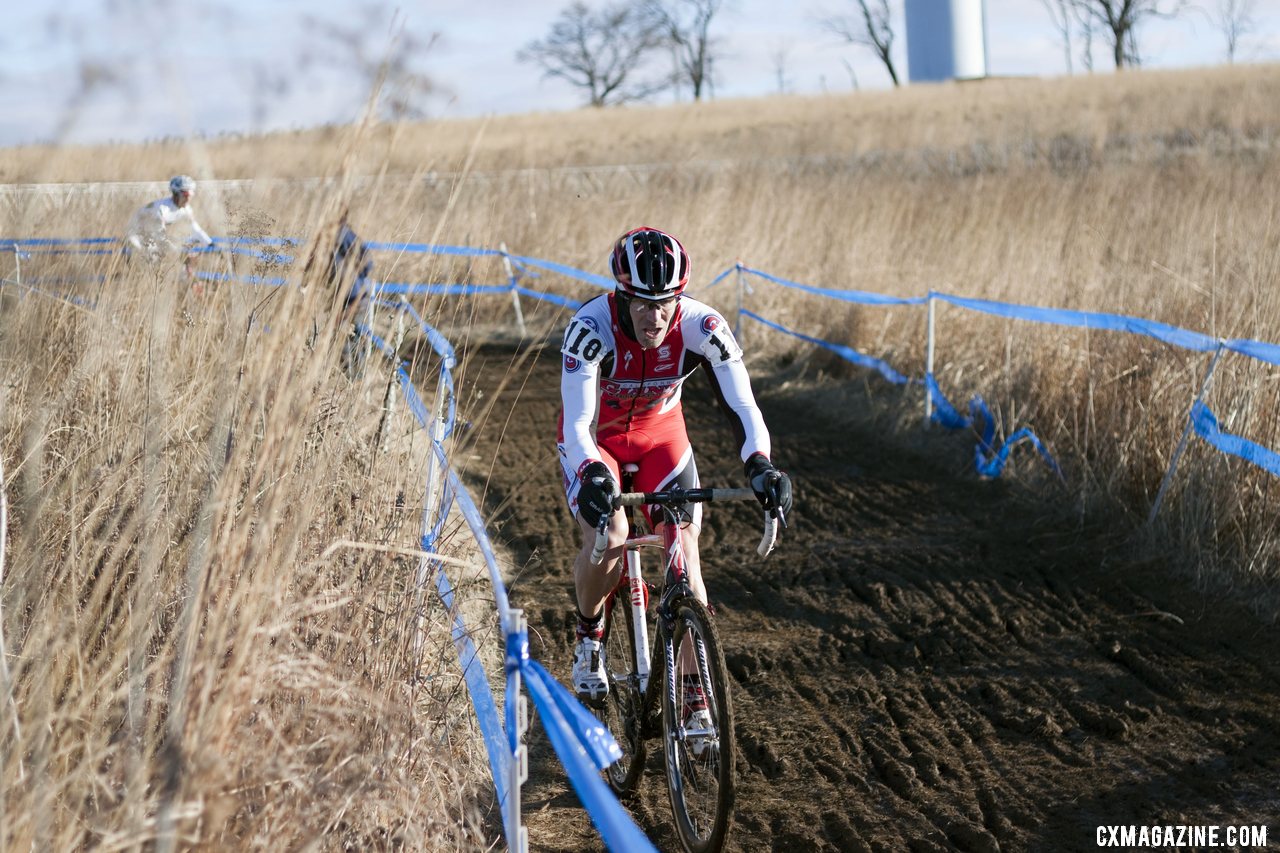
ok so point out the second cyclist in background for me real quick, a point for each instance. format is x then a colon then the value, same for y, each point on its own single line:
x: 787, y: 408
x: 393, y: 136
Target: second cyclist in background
x: 148, y: 233
x: 625, y: 358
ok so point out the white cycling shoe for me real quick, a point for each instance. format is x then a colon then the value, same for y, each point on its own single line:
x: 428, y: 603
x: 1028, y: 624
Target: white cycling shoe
x: 590, y: 681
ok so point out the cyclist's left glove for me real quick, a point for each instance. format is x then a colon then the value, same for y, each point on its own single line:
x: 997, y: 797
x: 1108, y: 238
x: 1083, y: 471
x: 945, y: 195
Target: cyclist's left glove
x: 772, y: 487
x: 595, y: 497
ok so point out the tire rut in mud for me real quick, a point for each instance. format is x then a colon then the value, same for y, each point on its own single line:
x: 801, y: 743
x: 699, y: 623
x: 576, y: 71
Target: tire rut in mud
x: 929, y: 661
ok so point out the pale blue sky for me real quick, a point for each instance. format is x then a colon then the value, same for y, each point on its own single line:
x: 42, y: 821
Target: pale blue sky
x: 98, y: 70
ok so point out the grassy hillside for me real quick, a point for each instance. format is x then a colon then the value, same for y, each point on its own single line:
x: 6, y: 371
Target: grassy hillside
x: 191, y: 656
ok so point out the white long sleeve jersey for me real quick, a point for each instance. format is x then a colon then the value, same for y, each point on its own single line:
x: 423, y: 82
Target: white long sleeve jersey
x: 150, y: 224
x: 610, y: 383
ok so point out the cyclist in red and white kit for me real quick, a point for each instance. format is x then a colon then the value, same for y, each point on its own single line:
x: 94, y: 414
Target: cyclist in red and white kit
x: 626, y: 356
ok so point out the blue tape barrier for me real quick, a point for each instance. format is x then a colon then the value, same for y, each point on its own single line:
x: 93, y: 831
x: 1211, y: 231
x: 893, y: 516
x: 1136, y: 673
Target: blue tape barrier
x: 988, y: 459
x: 1206, y: 426
x: 553, y: 701
x: 847, y: 353
x: 478, y: 686
x: 10, y: 242
x: 1259, y: 350
x: 398, y: 287
x: 430, y: 249
x: 568, y: 271
x: 861, y: 297
x: 721, y: 277
x: 1179, y: 337
x: 562, y: 301
x: 268, y: 280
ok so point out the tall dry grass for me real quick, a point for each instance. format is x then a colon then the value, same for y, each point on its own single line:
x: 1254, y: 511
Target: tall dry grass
x: 196, y: 658
x: 189, y: 661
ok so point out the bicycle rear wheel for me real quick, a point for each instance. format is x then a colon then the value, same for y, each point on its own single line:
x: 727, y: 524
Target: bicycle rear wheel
x: 621, y: 711
x: 699, y: 748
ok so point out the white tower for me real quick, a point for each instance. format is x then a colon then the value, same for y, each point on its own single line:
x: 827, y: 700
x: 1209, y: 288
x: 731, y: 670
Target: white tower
x: 946, y: 40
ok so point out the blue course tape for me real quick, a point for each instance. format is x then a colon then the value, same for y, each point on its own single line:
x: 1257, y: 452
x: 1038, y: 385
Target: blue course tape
x: 268, y: 280
x: 1174, y: 335
x: 721, y: 277
x: 29, y: 253
x: 566, y: 270
x: 446, y: 289
x: 1269, y: 353
x: 861, y: 297
x: 430, y: 249
x: 478, y: 686
x: 10, y: 242
x: 1206, y: 426
x: 581, y: 763
x: 562, y: 301
x: 847, y: 353
x: 988, y: 459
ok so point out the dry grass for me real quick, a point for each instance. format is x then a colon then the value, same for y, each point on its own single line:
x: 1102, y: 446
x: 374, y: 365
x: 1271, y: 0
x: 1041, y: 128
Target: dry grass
x: 186, y: 666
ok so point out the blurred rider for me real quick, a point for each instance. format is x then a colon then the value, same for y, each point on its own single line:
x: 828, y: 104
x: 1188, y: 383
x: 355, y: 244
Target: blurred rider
x: 626, y: 355
x: 148, y: 232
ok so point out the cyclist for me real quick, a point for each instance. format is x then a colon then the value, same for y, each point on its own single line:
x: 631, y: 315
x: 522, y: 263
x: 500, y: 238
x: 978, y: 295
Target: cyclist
x: 148, y: 230
x: 350, y: 268
x: 625, y: 357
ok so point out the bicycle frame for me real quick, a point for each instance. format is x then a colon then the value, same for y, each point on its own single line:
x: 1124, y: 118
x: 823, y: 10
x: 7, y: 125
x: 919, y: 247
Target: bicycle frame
x: 675, y: 585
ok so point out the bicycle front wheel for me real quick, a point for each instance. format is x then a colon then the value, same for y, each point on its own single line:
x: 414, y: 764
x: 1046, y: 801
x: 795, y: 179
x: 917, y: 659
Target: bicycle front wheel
x: 697, y: 727
x: 621, y: 711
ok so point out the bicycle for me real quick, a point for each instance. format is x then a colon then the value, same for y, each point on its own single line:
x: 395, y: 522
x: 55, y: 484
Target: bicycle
x: 690, y: 675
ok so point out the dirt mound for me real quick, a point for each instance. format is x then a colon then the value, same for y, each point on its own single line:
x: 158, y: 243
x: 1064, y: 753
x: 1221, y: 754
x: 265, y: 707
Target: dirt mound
x: 928, y: 662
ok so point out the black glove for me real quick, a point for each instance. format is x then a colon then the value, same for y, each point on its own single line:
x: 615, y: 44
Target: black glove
x: 772, y: 487
x: 595, y: 497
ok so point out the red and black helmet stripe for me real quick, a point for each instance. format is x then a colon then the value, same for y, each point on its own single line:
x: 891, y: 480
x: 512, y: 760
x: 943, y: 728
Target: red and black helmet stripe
x: 650, y: 264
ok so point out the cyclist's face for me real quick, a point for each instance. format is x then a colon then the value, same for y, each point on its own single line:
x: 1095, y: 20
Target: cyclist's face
x: 651, y: 320
x: 181, y: 198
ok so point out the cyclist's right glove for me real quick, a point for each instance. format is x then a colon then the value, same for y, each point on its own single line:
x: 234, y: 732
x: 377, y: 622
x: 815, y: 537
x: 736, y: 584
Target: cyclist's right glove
x: 772, y: 487
x: 595, y: 497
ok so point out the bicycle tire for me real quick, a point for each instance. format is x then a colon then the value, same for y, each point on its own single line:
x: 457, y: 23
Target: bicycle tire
x: 622, y: 709
x: 699, y: 769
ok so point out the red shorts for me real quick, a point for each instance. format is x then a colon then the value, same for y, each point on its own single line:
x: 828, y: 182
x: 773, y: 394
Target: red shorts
x: 662, y: 453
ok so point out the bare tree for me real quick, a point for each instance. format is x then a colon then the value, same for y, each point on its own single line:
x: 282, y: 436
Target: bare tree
x: 385, y: 67
x: 871, y: 27
x: 598, y: 52
x: 1061, y: 13
x: 686, y: 24
x: 779, y: 57
x: 1235, y: 20
x: 1121, y: 18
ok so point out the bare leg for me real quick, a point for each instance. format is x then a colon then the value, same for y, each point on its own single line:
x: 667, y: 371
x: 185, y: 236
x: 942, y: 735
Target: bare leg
x: 593, y: 583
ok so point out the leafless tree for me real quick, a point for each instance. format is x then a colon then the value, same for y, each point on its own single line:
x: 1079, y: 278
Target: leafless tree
x: 1062, y: 14
x: 599, y: 52
x: 686, y: 24
x: 871, y: 26
x: 1120, y: 18
x: 1235, y: 20
x: 388, y: 68
x: 779, y: 57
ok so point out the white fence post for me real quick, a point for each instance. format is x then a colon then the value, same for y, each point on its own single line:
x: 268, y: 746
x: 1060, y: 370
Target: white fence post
x: 17, y: 265
x: 517, y: 834
x: 1186, y: 434
x: 928, y: 358
x: 432, y: 498
x: 515, y: 297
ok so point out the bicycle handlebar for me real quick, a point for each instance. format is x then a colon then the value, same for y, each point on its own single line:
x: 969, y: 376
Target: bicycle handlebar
x: 684, y: 496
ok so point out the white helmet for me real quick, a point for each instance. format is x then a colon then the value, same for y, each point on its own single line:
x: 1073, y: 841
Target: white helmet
x: 182, y: 184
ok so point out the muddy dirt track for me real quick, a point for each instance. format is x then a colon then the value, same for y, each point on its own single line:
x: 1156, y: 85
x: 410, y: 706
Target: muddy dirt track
x: 929, y: 662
